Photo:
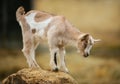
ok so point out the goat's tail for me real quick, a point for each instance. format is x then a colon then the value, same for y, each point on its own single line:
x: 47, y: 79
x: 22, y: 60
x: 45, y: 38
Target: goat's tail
x: 19, y: 13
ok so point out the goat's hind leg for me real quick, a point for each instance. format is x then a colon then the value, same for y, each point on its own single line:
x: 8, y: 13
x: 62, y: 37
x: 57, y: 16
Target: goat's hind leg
x: 29, y: 53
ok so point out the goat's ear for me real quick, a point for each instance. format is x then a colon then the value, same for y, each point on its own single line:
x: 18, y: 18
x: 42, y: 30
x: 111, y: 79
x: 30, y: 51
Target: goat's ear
x: 84, y: 37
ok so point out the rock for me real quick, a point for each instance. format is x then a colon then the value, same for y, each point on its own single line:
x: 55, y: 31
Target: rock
x: 38, y: 76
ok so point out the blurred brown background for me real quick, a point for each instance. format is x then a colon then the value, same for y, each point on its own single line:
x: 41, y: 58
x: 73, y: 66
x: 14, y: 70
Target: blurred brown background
x: 100, y: 18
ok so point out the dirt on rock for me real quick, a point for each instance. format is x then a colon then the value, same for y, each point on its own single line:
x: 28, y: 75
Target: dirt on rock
x: 38, y: 76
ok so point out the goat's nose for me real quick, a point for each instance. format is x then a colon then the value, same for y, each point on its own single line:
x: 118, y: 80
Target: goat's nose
x: 86, y: 55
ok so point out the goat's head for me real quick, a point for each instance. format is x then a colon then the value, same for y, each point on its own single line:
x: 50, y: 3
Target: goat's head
x: 85, y: 43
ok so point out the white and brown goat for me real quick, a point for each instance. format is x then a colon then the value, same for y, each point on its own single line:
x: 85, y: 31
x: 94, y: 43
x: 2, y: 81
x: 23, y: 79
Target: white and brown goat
x: 39, y: 25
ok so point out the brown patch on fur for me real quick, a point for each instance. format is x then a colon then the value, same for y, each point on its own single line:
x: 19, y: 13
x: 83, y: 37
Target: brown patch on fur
x: 32, y: 11
x: 60, y: 44
x: 33, y: 31
x: 40, y: 16
x: 83, y: 42
x: 85, y: 37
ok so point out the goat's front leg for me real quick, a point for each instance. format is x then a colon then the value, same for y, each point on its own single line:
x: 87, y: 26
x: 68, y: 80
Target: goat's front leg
x: 53, y: 59
x: 62, y: 60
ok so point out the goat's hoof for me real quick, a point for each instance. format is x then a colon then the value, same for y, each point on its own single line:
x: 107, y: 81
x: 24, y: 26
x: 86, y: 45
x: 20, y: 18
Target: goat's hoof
x: 55, y: 70
x: 67, y: 72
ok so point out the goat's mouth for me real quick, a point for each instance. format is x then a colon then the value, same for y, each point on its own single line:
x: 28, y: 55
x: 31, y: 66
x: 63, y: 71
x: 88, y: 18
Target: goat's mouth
x: 86, y: 55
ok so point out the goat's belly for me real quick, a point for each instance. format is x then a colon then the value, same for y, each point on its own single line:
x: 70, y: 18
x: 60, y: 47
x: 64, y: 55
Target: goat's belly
x: 41, y: 34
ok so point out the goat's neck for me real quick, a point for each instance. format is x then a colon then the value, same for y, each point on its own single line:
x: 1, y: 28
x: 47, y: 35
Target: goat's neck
x: 73, y: 36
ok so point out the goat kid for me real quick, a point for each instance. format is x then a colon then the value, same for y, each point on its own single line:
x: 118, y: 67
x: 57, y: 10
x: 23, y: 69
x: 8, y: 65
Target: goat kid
x: 39, y: 25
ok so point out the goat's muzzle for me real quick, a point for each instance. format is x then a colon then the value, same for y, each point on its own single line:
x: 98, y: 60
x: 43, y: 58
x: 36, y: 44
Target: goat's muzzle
x: 85, y: 54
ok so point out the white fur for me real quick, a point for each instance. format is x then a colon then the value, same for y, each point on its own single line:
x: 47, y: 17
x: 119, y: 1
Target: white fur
x: 89, y: 46
x: 38, y: 25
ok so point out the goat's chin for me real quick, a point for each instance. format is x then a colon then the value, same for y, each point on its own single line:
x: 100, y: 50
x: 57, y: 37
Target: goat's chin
x: 84, y: 55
